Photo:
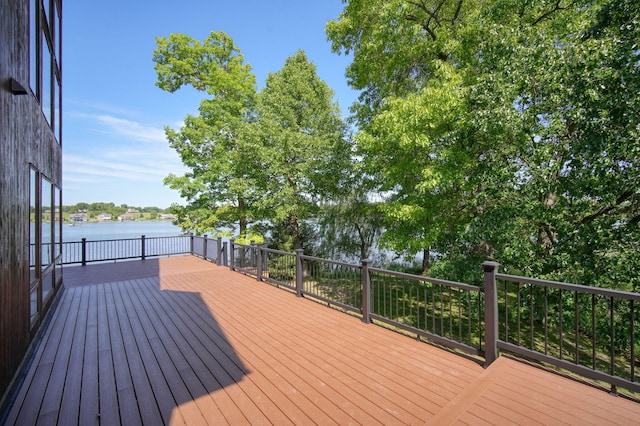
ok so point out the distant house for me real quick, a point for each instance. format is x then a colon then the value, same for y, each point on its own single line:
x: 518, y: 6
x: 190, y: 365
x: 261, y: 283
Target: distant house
x: 126, y: 216
x: 78, y: 217
x: 167, y: 216
x: 132, y: 211
x: 103, y: 217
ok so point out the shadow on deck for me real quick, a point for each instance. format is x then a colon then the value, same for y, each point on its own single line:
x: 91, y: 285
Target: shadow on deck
x: 182, y: 341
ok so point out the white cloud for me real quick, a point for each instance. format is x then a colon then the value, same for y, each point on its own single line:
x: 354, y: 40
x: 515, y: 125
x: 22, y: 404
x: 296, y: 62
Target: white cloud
x: 132, y: 129
x: 85, y: 166
x: 108, y: 155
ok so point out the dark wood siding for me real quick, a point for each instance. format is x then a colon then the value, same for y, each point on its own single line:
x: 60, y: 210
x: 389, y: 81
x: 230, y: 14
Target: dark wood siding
x: 25, y: 138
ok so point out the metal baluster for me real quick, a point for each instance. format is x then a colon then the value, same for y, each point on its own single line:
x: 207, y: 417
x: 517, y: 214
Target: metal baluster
x: 546, y: 321
x: 612, y: 330
x: 593, y: 329
x: 459, y: 315
x: 561, y: 324
x: 518, y: 313
x: 506, y: 313
x: 575, y: 302
x: 633, y: 352
x: 531, y: 297
x: 450, y: 312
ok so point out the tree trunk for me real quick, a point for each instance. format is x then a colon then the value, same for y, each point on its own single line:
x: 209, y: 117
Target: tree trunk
x: 426, y: 260
x: 295, y: 231
x: 243, y: 222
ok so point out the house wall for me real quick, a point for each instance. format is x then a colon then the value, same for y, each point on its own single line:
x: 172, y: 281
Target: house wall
x: 26, y: 139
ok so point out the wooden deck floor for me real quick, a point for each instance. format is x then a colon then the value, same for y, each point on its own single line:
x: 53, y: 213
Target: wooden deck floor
x: 181, y: 341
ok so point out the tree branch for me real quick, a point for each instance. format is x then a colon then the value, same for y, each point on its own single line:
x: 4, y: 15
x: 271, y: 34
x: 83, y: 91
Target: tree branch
x: 621, y: 199
x: 548, y: 13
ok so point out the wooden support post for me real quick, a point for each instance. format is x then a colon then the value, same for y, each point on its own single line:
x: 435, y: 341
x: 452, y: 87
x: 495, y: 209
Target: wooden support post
x: 231, y: 253
x: 225, y: 250
x: 366, y: 291
x: 258, y: 249
x: 299, y: 272
x: 84, y: 252
x: 490, y: 312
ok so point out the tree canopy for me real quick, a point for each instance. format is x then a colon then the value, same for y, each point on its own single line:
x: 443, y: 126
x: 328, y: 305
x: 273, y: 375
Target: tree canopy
x: 264, y: 158
x: 300, y: 141
x: 504, y: 129
x: 218, y: 187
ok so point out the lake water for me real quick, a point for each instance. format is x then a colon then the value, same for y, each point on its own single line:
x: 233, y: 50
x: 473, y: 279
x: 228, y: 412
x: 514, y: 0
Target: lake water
x: 118, y: 230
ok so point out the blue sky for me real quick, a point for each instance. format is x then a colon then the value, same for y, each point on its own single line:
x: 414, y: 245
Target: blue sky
x: 114, y: 148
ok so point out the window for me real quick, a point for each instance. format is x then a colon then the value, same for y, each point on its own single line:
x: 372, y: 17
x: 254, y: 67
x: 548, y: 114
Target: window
x: 47, y: 235
x: 33, y: 228
x: 46, y: 6
x: 59, y: 222
x: 45, y: 94
x: 33, y: 45
x: 45, y: 53
x: 46, y: 224
x: 34, y: 271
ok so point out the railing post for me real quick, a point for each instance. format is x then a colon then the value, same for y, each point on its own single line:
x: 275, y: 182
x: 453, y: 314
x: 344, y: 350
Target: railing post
x: 252, y: 253
x: 219, y: 251
x: 191, y: 243
x: 204, y: 247
x: 366, y: 291
x: 224, y: 253
x: 231, y: 253
x: 299, y: 272
x: 490, y: 312
x: 142, y: 240
x: 259, y: 262
x: 84, y: 252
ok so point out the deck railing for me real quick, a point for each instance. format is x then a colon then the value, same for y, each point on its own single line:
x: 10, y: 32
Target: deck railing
x: 589, y: 331
x: 214, y: 250
x: 88, y: 251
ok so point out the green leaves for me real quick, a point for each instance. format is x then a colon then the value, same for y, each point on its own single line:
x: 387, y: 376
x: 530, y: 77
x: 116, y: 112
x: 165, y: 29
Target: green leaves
x: 253, y: 157
x: 211, y: 143
x: 502, y: 129
x: 214, y: 66
x: 302, y: 148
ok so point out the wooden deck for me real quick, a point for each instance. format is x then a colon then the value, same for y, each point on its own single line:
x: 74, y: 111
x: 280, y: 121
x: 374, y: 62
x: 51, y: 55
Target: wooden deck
x: 182, y: 341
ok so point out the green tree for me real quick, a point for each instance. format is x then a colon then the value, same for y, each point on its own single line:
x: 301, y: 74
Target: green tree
x: 300, y: 146
x: 218, y: 187
x: 350, y: 227
x: 503, y: 129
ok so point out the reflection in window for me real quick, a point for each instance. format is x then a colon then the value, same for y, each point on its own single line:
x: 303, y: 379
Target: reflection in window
x: 46, y: 209
x: 54, y: 113
x: 58, y: 235
x: 46, y: 5
x: 33, y: 184
x: 33, y: 40
x: 57, y: 34
x: 58, y: 114
x: 33, y: 301
x: 45, y: 96
x: 47, y: 286
x: 45, y: 51
x: 57, y: 222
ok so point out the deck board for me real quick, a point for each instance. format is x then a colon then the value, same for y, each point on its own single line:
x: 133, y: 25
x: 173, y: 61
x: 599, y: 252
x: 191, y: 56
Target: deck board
x: 107, y: 391
x: 128, y: 411
x: 182, y: 341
